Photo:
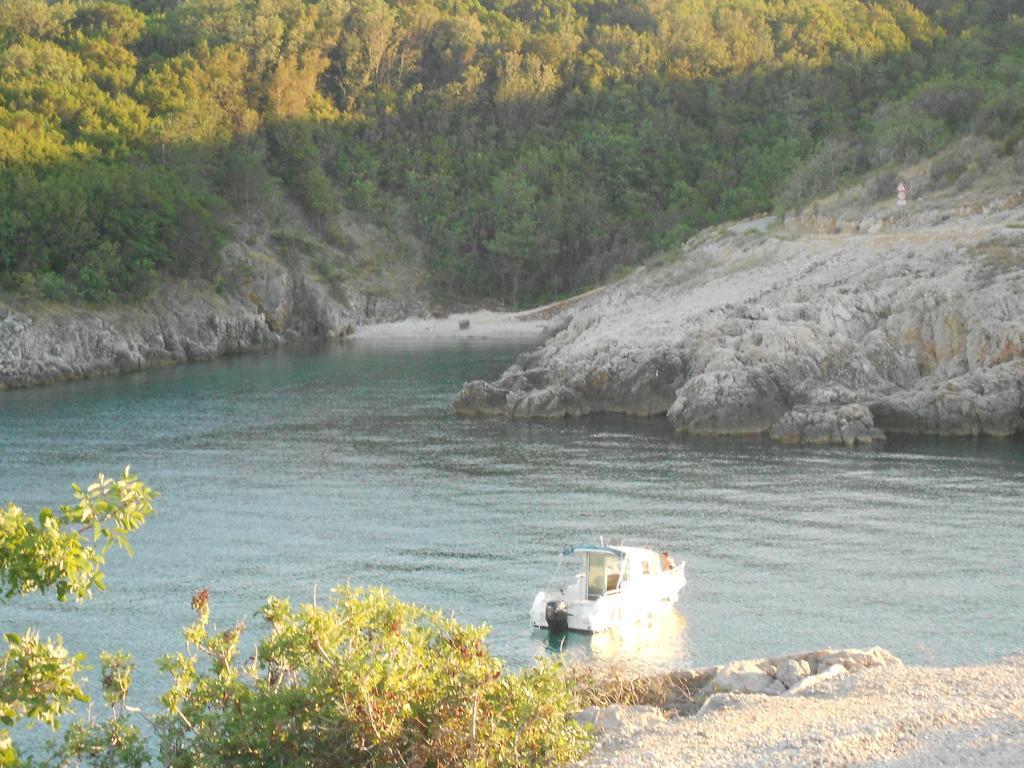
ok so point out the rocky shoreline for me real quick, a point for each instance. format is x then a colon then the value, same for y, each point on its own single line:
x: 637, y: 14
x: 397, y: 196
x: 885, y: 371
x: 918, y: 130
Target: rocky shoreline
x: 185, y: 322
x: 883, y: 324
x: 827, y: 708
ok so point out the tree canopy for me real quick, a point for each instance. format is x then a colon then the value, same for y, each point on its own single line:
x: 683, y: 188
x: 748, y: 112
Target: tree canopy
x: 533, y: 145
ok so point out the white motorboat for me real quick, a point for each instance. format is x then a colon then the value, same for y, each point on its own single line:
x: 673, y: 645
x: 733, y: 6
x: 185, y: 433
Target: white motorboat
x: 617, y: 586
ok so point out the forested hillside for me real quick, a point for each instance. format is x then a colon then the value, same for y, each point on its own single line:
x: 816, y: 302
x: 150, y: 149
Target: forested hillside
x: 533, y: 146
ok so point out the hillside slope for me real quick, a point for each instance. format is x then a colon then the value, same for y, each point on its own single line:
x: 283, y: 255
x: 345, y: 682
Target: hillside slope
x: 832, y: 326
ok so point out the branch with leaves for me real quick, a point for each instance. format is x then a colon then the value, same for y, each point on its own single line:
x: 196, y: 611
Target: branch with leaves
x: 65, y: 550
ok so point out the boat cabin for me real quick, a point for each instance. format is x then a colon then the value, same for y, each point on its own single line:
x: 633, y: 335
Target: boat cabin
x: 606, y: 569
x: 615, y: 586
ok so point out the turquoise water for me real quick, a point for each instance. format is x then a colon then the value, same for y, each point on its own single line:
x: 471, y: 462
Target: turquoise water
x: 313, y: 467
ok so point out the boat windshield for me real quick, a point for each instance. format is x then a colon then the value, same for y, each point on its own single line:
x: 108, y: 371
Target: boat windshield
x: 603, y: 574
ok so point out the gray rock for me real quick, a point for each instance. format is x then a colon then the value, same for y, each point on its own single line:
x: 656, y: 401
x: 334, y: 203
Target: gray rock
x: 819, y: 340
x: 792, y: 671
x: 989, y: 401
x: 735, y: 401
x: 646, y: 388
x: 478, y: 398
x: 553, y: 402
x: 743, y: 677
x: 849, y: 425
x: 819, y: 684
x: 854, y: 659
x: 182, y: 322
x: 554, y: 327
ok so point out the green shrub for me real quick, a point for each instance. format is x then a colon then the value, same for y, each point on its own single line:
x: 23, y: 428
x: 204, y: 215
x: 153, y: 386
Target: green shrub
x: 364, y: 681
x: 835, y: 160
x: 881, y: 185
x: 945, y: 170
x: 904, y: 134
x: 953, y: 103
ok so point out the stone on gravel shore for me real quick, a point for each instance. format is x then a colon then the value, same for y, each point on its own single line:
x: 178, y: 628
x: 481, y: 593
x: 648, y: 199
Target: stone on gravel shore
x: 775, y: 676
x: 792, y: 671
x: 887, y: 714
x: 616, y: 722
x: 854, y: 659
x: 743, y: 677
x: 816, y: 683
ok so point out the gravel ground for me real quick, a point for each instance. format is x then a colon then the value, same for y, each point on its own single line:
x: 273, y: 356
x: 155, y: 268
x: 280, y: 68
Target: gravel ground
x: 911, y: 717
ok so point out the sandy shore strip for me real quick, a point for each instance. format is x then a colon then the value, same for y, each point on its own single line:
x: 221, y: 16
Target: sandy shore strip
x: 528, y: 325
x: 906, y: 716
x: 483, y: 324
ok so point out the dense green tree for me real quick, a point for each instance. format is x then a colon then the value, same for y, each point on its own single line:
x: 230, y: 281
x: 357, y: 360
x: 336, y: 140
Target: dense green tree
x: 625, y: 125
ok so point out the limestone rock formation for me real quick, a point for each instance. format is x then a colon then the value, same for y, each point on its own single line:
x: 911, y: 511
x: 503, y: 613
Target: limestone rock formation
x: 181, y: 323
x: 735, y: 401
x: 849, y: 425
x: 736, y: 685
x: 792, y: 671
x: 891, y: 325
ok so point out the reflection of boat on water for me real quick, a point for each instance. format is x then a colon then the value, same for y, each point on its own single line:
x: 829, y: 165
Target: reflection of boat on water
x: 617, y: 587
x: 660, y: 639
x: 657, y: 645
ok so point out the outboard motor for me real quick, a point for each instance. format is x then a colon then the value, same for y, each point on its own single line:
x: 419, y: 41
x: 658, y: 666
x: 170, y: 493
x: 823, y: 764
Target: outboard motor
x: 556, y: 614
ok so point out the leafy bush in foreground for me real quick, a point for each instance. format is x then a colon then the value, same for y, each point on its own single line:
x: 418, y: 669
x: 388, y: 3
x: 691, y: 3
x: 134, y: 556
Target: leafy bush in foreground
x: 64, y: 550
x: 365, y: 681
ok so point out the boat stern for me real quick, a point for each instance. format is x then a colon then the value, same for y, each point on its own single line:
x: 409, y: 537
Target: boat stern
x: 538, y: 610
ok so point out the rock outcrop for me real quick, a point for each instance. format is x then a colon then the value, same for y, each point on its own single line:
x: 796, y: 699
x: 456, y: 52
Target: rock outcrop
x: 183, y: 322
x: 911, y: 324
x: 849, y: 425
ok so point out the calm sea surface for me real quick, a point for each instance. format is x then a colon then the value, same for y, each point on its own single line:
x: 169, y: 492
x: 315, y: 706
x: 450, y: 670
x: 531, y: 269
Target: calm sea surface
x: 344, y: 464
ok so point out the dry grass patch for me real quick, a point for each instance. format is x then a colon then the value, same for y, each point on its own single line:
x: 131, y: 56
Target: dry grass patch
x: 998, y: 256
x: 605, y: 685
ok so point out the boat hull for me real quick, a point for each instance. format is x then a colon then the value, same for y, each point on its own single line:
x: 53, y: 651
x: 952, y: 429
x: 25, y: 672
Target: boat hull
x: 636, y: 603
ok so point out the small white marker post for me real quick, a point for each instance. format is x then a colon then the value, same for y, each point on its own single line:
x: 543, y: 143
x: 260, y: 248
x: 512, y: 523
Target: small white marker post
x: 901, y: 194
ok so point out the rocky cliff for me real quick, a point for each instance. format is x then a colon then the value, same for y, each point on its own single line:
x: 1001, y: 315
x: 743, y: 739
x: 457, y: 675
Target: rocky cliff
x: 270, y: 293
x: 818, y: 328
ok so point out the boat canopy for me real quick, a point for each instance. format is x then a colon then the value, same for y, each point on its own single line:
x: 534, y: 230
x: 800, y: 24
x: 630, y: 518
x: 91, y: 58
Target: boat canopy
x: 585, y: 548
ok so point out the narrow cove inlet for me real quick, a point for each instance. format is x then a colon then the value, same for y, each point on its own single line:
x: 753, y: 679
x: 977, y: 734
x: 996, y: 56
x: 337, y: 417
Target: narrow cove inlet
x: 305, y: 468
